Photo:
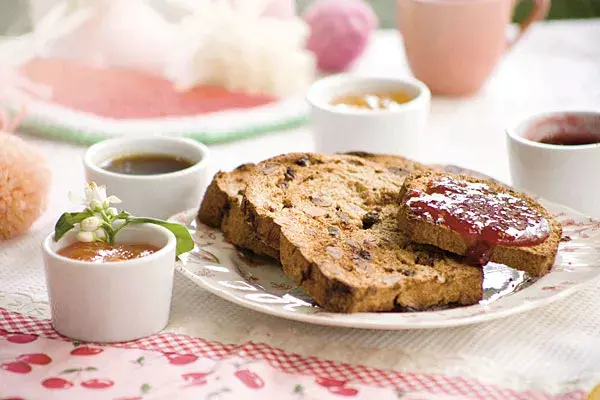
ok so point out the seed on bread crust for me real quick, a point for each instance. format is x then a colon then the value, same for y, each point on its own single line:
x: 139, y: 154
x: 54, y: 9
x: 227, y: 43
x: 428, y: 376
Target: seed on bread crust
x: 370, y: 219
x: 333, y: 231
x: 303, y: 161
x: 289, y: 174
x: 334, y: 252
x: 320, y: 201
x: 269, y: 168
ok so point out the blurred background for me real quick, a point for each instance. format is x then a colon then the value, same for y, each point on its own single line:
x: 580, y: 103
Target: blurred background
x: 13, y: 12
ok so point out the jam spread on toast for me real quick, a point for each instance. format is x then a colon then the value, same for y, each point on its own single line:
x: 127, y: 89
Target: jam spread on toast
x: 480, y: 215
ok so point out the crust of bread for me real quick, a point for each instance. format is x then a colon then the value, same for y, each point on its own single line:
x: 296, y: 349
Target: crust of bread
x: 221, y: 208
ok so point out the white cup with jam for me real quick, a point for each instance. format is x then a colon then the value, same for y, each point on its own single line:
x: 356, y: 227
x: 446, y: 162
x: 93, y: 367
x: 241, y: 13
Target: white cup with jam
x: 376, y: 115
x: 153, y: 176
x: 557, y: 156
x: 114, y: 293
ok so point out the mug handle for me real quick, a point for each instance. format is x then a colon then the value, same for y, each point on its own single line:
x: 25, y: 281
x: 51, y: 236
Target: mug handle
x: 539, y: 11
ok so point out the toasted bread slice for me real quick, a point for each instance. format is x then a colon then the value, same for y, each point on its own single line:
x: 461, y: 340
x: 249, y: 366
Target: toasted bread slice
x: 221, y: 208
x: 333, y: 220
x: 535, y: 259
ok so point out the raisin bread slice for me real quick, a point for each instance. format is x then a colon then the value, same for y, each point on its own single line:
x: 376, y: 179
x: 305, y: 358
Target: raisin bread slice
x: 334, y: 220
x: 221, y: 208
x: 535, y: 259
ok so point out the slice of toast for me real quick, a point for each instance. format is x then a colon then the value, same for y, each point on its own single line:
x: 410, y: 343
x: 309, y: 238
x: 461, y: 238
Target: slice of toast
x: 333, y: 218
x: 221, y: 208
x: 535, y: 259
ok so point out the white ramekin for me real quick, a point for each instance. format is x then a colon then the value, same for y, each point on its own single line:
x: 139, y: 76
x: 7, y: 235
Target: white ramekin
x: 341, y: 129
x: 116, y: 301
x: 569, y: 175
x: 159, y: 196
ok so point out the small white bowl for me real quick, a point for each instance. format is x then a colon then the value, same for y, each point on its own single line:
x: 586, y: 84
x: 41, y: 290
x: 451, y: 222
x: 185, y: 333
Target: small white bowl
x: 564, y: 174
x: 159, y: 196
x: 341, y: 129
x: 115, y: 301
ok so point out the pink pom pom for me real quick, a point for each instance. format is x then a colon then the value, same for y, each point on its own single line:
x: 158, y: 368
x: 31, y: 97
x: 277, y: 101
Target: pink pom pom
x: 339, y: 32
x: 24, y: 185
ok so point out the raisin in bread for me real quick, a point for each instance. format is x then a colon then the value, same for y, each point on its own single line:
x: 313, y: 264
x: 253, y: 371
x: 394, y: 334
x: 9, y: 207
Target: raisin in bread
x: 533, y: 258
x: 333, y: 218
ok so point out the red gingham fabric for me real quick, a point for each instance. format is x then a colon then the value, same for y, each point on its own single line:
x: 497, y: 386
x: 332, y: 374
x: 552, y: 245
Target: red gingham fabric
x: 296, y: 364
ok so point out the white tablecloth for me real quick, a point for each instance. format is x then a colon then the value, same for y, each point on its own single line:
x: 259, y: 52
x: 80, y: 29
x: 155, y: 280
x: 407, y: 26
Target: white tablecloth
x: 557, y: 66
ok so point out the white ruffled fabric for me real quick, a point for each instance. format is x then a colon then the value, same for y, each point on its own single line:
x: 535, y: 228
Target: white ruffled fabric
x: 232, y: 44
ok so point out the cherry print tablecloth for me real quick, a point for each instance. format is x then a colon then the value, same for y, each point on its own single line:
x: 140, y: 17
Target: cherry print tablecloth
x: 38, y: 363
x: 215, y: 349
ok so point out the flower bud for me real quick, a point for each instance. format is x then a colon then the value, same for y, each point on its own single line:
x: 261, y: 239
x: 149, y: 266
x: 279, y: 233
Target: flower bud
x: 113, y: 212
x: 90, y: 224
x: 84, y: 236
x: 95, y: 205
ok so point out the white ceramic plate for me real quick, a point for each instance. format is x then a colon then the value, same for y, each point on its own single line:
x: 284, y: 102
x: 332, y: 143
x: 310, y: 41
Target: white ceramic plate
x: 259, y: 283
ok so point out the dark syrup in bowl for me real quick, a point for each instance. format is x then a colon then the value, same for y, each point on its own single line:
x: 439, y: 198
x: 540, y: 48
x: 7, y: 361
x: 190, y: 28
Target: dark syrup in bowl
x: 146, y: 164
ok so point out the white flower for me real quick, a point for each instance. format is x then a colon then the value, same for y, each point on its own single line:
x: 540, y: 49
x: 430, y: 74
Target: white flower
x: 84, y: 236
x: 90, y: 224
x: 95, y: 197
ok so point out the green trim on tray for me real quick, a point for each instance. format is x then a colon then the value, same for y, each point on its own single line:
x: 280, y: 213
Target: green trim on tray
x: 85, y: 137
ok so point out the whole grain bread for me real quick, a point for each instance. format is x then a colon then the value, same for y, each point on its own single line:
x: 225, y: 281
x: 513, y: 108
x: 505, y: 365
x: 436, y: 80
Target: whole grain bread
x: 536, y: 260
x: 221, y: 208
x: 333, y: 220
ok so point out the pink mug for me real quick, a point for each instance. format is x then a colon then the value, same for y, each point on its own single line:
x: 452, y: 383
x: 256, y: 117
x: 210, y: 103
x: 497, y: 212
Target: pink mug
x: 453, y: 45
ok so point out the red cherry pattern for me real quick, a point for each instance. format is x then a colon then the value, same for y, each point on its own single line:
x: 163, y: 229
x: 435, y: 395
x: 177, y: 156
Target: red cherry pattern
x: 336, y: 386
x: 35, y: 358
x: 86, y: 351
x: 57, y: 383
x: 97, y: 383
x: 21, y: 338
x: 196, y: 378
x: 249, y: 378
x: 18, y: 367
x: 180, y: 359
x: 328, y: 382
x: 343, y: 391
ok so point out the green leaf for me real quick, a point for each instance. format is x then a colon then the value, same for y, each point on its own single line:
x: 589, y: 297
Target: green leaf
x: 145, y: 388
x: 184, y: 239
x: 70, y: 370
x: 67, y: 221
x: 91, y: 369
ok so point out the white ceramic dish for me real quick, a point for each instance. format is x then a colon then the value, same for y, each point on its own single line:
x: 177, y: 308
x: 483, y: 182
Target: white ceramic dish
x: 259, y: 284
x: 169, y: 192
x: 341, y: 129
x: 111, y: 302
x: 569, y: 175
